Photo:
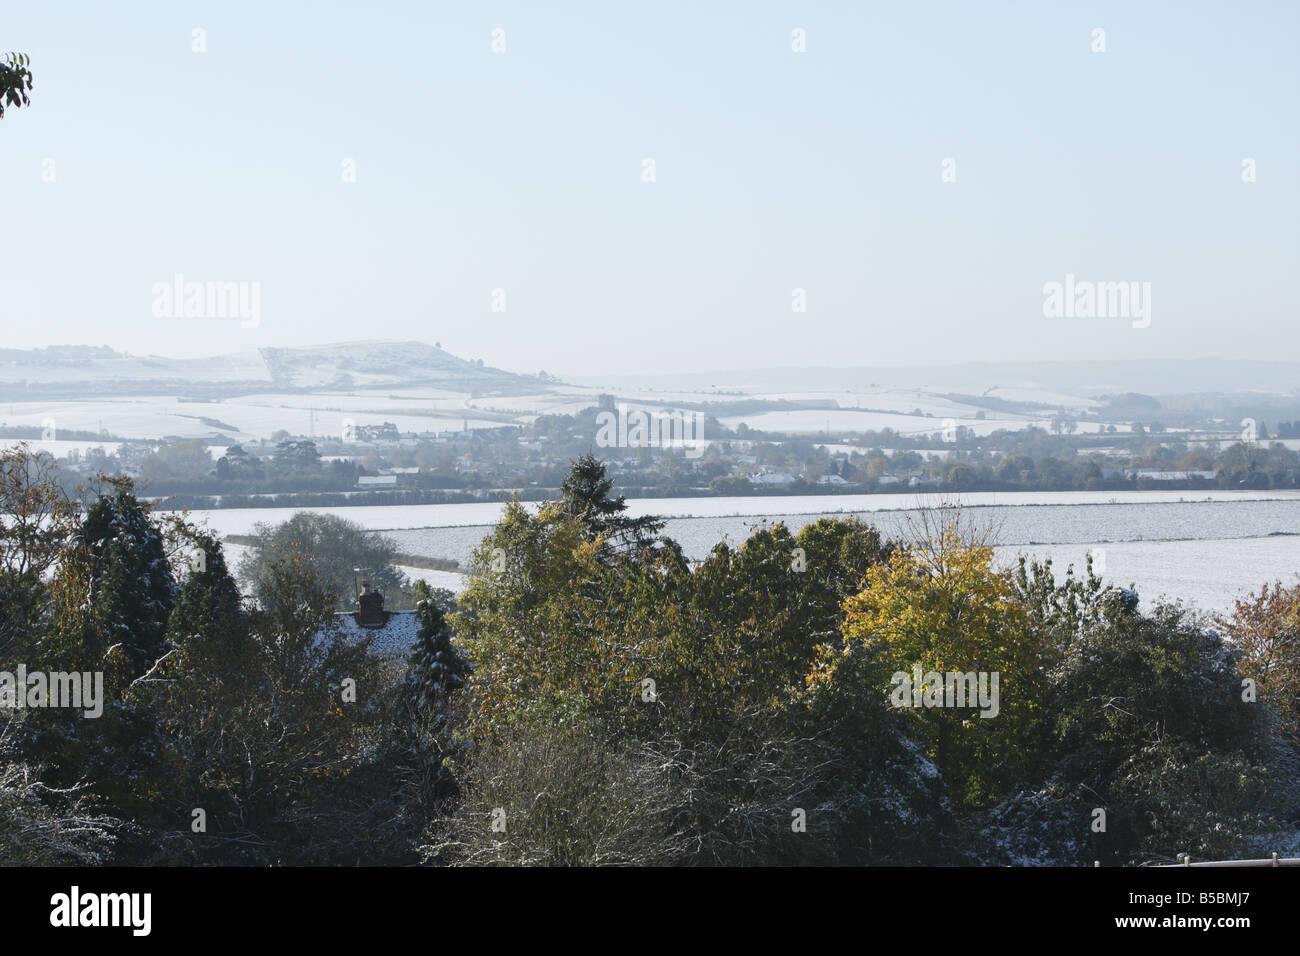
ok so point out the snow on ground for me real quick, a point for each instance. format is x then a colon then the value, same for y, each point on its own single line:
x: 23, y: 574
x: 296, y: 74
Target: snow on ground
x: 453, y: 581
x: 1044, y: 397
x: 153, y: 418
x: 1162, y: 569
x: 59, y: 448
x: 432, y: 409
x: 95, y: 366
x: 531, y: 405
x: 225, y: 521
x: 262, y: 422
x: 126, y: 417
x: 656, y: 396
x: 379, y: 402
x: 414, y: 391
x: 902, y: 400
x: 876, y: 398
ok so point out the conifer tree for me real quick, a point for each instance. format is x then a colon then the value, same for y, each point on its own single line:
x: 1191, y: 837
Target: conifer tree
x: 585, y: 494
x: 437, y: 668
x: 115, y: 590
x: 207, y: 620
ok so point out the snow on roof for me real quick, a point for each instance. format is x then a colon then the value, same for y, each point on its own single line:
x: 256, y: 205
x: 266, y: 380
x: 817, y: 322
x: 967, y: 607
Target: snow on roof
x: 395, y: 638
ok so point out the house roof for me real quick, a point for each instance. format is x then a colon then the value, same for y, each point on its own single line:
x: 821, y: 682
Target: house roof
x: 395, y: 638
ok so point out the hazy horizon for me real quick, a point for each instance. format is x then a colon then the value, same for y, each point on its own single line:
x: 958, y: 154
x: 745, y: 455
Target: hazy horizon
x: 406, y: 361
x: 521, y: 172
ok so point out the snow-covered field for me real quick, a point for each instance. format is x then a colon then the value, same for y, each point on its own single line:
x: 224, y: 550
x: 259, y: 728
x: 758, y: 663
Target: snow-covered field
x: 1211, y: 572
x: 1044, y: 397
x: 909, y: 411
x: 379, y: 402
x: 126, y: 417
x: 1209, y: 547
x: 901, y: 400
x: 98, y: 366
x: 533, y: 405
x: 391, y: 517
x: 60, y: 449
x: 241, y: 419
x: 451, y: 580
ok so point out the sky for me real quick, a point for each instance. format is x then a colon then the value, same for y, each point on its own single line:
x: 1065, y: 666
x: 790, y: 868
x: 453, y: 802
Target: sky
x: 921, y: 171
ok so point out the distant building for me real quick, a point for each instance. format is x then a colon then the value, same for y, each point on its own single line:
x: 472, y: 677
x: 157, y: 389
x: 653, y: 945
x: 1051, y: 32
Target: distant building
x: 772, y: 478
x: 377, y: 481
x: 831, y: 480
x: 386, y: 431
x: 1153, y: 474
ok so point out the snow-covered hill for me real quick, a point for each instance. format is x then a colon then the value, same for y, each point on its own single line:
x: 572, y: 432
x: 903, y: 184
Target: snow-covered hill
x: 76, y: 365
x: 371, y: 364
x: 87, y: 371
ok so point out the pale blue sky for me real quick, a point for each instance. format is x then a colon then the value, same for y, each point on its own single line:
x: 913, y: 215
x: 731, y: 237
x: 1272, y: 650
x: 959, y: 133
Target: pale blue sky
x: 775, y: 170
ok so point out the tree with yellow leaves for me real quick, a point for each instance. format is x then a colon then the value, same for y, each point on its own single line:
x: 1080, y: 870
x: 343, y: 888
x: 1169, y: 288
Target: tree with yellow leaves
x: 921, y: 626
x: 1265, y: 627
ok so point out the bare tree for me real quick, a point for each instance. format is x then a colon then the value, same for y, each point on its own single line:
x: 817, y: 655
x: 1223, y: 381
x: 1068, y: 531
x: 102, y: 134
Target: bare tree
x: 930, y: 529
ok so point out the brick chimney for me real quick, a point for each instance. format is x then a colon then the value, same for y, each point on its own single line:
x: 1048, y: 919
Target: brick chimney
x: 370, y: 607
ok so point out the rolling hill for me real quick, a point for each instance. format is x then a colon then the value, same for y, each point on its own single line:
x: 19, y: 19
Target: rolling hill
x: 80, y: 371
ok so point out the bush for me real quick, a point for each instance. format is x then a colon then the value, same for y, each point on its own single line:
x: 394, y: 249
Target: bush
x: 559, y: 794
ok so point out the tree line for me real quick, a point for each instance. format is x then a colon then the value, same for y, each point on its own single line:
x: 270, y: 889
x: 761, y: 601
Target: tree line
x: 596, y: 698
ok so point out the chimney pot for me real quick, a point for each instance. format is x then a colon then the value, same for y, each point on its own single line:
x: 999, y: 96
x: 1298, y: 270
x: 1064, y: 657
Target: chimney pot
x: 370, y: 608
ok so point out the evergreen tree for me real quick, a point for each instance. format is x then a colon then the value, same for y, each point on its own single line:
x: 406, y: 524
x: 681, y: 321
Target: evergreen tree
x: 208, y: 620
x: 112, y: 596
x: 585, y: 495
x: 437, y: 668
x: 115, y: 590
